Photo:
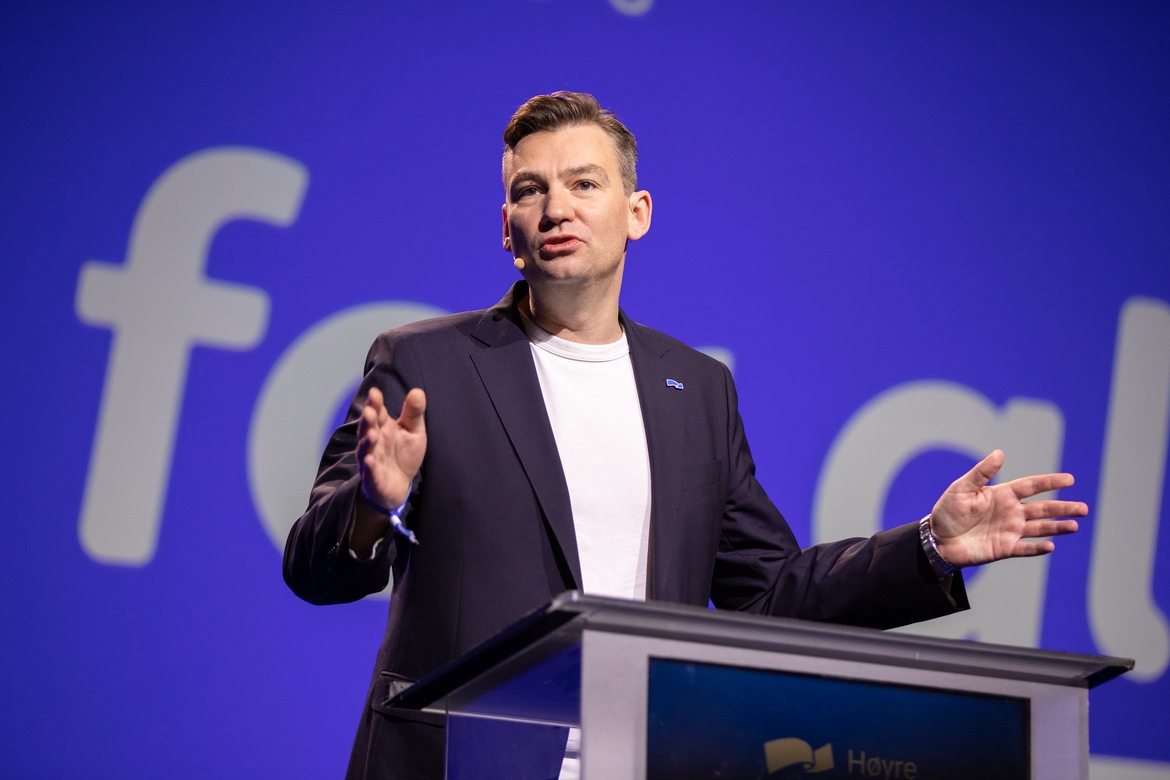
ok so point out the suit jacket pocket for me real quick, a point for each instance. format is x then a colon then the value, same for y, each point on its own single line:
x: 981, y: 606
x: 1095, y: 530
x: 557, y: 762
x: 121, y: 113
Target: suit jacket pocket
x: 389, y: 685
x: 701, y: 475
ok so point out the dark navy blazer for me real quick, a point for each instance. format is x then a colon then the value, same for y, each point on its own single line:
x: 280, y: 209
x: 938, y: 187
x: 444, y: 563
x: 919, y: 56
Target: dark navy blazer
x: 495, y: 526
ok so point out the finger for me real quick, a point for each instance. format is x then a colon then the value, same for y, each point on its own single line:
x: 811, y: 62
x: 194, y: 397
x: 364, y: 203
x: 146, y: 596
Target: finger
x: 1041, y: 510
x: 1031, y: 549
x: 374, y: 412
x: 414, y: 406
x: 374, y: 399
x: 984, y: 471
x: 367, y: 419
x: 1036, y: 528
x: 1026, y: 487
x: 376, y: 402
x: 368, y: 439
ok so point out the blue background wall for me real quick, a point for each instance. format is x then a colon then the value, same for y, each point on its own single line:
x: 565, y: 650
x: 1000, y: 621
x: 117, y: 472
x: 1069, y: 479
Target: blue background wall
x: 849, y: 196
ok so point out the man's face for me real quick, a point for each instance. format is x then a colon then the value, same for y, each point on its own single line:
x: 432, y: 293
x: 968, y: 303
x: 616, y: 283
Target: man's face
x: 567, y: 213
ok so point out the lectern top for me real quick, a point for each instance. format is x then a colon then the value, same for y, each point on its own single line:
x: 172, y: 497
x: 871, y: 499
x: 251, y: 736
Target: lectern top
x: 560, y: 624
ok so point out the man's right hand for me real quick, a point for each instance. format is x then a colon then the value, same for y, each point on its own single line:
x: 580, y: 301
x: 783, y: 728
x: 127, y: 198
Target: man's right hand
x: 389, y: 453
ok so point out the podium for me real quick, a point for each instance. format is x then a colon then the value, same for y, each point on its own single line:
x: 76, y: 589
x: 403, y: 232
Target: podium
x: 671, y: 692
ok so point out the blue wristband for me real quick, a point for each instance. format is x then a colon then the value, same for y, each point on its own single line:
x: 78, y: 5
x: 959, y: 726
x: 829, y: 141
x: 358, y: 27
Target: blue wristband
x: 397, y: 512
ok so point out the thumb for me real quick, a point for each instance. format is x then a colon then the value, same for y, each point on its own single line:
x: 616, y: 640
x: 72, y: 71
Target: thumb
x: 984, y: 471
x: 414, y: 406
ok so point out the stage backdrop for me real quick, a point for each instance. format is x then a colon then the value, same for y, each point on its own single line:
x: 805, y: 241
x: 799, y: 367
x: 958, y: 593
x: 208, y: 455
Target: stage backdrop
x: 917, y: 231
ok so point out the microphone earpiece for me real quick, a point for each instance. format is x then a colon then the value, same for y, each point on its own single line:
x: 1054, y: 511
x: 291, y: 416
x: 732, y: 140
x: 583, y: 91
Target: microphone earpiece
x: 519, y: 263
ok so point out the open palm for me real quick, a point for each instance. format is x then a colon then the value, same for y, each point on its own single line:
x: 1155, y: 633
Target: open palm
x: 975, y: 522
x: 390, y: 451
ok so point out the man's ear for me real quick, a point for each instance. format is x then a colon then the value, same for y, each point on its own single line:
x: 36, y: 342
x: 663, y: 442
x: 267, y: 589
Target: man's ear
x: 641, y: 207
x: 507, y: 234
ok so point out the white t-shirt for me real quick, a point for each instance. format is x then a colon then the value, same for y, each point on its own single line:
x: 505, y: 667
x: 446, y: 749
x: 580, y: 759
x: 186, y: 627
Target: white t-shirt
x: 592, y: 403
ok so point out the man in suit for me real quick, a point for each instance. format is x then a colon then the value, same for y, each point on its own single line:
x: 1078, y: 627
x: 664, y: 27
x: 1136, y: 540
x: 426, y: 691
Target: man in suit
x: 551, y: 443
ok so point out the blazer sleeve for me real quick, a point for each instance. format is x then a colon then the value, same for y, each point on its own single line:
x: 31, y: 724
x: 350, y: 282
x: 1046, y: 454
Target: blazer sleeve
x: 880, y: 582
x: 318, y: 566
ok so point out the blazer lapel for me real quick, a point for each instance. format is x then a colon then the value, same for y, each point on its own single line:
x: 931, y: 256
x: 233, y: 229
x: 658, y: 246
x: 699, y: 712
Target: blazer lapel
x: 509, y: 376
x: 663, y: 415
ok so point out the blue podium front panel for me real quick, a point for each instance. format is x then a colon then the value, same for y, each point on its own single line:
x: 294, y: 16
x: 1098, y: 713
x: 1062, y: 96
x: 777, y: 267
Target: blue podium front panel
x: 708, y: 721
x: 516, y: 729
x: 548, y: 691
x: 494, y: 749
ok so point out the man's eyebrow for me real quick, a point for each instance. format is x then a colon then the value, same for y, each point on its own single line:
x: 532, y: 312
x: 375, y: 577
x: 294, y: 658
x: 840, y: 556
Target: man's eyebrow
x: 520, y: 176
x: 581, y: 170
x: 595, y: 170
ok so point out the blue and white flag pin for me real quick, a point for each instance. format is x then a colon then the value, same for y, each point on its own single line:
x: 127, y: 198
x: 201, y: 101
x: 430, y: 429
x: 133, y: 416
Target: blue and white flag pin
x: 674, y: 383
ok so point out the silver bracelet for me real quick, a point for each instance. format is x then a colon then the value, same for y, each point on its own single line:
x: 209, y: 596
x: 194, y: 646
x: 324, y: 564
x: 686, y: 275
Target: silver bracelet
x: 930, y: 547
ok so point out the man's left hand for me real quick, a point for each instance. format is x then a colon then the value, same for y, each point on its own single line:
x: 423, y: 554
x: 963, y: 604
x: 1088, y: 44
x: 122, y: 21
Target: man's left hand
x: 975, y: 522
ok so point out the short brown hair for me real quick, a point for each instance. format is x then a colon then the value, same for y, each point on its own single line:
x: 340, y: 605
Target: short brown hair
x: 568, y: 109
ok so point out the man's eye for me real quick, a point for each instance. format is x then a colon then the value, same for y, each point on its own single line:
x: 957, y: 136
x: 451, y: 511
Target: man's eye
x: 526, y: 192
x: 586, y: 185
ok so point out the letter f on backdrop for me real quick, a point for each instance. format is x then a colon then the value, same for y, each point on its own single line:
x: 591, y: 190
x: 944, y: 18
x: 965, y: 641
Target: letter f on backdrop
x: 159, y: 304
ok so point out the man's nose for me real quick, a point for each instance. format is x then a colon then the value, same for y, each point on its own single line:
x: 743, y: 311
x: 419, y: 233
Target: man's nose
x: 558, y: 206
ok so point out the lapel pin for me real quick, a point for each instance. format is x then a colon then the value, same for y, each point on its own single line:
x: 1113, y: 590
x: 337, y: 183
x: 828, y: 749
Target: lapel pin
x: 674, y: 383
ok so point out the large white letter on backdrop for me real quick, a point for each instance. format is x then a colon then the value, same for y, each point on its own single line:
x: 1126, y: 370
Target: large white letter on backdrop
x: 910, y: 419
x: 160, y: 303
x: 1122, y: 614
x: 293, y: 413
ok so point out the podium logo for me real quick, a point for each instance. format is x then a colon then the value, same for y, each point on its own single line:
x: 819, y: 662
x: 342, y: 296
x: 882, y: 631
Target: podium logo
x: 782, y: 753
